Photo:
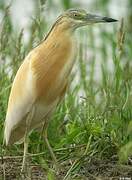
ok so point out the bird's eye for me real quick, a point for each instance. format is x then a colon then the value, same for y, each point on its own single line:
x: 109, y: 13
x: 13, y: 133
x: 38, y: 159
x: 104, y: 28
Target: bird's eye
x: 75, y: 15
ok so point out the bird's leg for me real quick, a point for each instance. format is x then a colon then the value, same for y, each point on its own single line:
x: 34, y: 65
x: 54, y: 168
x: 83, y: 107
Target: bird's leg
x: 26, y: 139
x: 49, y: 147
x: 25, y: 153
x: 41, y: 137
x: 45, y: 127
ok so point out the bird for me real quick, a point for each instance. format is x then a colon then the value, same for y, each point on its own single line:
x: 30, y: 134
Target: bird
x: 43, y: 78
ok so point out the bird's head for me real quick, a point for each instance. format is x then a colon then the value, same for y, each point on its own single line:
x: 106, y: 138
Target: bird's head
x: 74, y: 18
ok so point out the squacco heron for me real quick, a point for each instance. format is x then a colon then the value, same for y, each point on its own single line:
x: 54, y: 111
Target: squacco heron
x: 43, y: 77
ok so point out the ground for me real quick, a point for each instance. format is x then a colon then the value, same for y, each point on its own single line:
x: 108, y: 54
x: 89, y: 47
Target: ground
x: 90, y: 169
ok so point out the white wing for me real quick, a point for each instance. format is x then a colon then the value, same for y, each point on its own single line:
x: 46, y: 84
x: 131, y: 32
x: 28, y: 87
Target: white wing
x: 19, y: 105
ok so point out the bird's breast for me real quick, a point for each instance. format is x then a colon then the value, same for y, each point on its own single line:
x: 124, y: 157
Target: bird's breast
x: 52, y: 69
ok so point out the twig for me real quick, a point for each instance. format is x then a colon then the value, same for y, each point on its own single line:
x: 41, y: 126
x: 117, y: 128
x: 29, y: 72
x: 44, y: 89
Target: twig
x: 42, y: 153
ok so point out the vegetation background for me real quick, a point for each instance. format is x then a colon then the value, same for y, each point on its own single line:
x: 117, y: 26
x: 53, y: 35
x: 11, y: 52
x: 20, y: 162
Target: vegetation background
x: 93, y: 125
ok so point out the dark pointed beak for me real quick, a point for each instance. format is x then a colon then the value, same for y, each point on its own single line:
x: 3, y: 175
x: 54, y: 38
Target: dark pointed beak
x: 91, y: 18
x: 107, y: 19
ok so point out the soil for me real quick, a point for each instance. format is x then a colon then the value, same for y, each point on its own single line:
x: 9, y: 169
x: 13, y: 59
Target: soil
x: 94, y: 169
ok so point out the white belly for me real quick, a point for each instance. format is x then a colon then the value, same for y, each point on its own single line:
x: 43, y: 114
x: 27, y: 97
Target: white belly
x: 42, y: 113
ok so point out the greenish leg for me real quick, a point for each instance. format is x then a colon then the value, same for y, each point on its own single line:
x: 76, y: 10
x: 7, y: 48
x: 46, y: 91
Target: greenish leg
x: 26, y: 140
x: 49, y: 147
x: 24, y: 165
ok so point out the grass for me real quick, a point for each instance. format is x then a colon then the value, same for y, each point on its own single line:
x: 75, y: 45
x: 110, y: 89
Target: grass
x: 95, y: 124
